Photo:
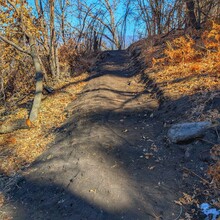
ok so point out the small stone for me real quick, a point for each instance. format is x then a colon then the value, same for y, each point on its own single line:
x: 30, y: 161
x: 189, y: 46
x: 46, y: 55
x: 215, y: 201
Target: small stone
x: 187, y: 131
x: 187, y: 154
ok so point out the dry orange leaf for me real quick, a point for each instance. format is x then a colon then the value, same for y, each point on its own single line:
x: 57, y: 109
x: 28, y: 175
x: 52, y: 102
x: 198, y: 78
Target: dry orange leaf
x: 12, y: 140
x: 28, y: 122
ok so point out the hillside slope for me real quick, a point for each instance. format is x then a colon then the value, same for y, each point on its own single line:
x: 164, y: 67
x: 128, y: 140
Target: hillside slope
x: 111, y: 159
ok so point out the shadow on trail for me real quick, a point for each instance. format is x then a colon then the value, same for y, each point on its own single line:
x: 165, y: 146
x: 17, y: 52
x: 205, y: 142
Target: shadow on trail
x: 47, y: 200
x: 96, y: 171
x: 109, y: 160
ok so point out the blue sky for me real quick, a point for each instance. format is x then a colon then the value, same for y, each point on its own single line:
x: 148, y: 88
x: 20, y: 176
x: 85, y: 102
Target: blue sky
x: 118, y: 14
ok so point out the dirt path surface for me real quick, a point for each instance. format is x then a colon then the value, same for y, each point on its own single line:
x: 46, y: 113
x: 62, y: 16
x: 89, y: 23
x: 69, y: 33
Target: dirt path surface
x: 108, y: 160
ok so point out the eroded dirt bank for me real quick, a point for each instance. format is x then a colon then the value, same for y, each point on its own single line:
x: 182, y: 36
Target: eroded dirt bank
x: 110, y: 159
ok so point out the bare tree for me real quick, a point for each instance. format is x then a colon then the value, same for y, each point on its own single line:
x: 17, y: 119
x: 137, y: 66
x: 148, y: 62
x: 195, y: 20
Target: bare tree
x: 159, y: 16
x: 32, y: 51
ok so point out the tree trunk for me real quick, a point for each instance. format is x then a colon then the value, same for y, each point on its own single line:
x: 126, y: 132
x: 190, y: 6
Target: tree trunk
x: 95, y: 42
x: 191, y: 14
x: 52, y: 40
x: 45, y: 34
x: 39, y: 83
x: 57, y: 62
x: 44, y: 72
x: 63, y: 27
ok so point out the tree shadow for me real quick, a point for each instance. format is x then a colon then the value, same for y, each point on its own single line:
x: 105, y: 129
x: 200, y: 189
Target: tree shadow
x: 46, y: 200
x: 110, y: 160
x: 97, y: 170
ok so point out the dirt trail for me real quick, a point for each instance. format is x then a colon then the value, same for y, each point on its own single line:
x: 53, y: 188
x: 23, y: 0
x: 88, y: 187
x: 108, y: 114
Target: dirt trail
x: 107, y: 161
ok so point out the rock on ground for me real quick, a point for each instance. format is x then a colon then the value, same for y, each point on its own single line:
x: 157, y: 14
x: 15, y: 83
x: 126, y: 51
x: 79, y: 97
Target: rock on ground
x: 186, y: 131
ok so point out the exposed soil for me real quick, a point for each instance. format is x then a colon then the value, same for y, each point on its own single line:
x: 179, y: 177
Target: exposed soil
x: 111, y: 158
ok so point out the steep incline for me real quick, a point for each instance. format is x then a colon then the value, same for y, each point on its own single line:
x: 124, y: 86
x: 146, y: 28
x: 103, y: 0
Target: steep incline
x: 105, y: 162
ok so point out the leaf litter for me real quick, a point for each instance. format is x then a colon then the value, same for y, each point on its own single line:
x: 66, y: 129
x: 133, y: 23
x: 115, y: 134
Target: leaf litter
x: 20, y: 148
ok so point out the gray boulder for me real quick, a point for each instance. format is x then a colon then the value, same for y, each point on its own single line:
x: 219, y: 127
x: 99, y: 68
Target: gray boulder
x: 187, y: 131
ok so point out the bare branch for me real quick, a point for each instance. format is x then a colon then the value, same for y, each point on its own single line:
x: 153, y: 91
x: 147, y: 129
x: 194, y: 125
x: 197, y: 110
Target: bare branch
x: 14, y: 45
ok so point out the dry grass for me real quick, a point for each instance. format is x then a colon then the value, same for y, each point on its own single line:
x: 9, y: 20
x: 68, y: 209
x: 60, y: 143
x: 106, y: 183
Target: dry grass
x: 189, y: 66
x: 214, y: 171
x: 22, y: 147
